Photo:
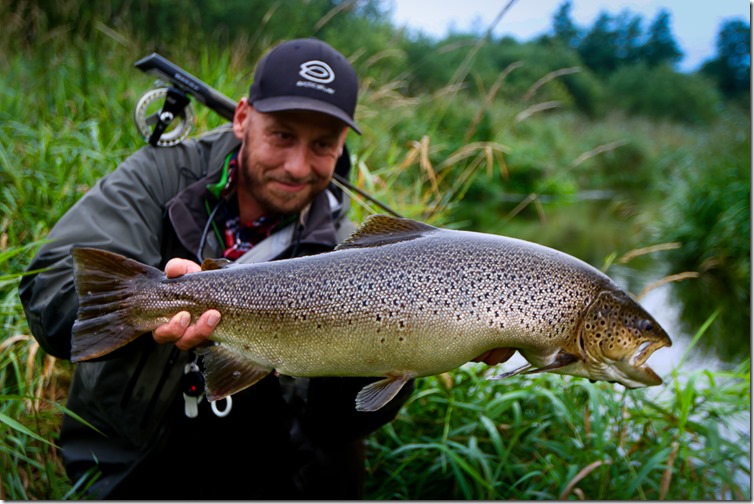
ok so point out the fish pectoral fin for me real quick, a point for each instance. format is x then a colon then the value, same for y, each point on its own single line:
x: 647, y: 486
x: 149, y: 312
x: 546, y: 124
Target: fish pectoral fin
x: 226, y: 372
x: 522, y: 369
x: 562, y: 359
x: 376, y: 395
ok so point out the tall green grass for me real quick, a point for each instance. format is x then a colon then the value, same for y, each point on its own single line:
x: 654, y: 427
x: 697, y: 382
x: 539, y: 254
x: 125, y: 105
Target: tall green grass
x: 65, y: 120
x: 462, y: 436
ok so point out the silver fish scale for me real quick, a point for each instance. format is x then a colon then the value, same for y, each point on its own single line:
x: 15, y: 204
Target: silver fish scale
x: 419, y: 306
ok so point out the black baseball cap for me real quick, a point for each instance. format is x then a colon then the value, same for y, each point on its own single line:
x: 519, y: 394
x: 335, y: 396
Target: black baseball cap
x: 306, y: 74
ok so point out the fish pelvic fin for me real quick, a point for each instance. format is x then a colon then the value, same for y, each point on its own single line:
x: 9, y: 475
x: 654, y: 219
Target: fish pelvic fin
x: 105, y: 282
x: 227, y: 372
x: 381, y: 229
x: 376, y: 395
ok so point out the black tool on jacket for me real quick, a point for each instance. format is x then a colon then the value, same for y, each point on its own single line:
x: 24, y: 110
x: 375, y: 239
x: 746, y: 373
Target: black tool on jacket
x: 172, y: 123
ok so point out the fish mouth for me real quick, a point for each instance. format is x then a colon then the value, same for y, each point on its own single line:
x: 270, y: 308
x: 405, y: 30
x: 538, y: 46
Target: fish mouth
x: 634, y: 373
x: 644, y: 351
x: 637, y: 376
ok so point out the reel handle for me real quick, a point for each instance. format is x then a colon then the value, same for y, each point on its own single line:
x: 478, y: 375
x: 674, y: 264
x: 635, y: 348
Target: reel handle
x: 169, y: 72
x: 175, y: 102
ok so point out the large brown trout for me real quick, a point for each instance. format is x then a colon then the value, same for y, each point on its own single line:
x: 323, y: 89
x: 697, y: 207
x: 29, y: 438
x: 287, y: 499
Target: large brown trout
x: 399, y: 299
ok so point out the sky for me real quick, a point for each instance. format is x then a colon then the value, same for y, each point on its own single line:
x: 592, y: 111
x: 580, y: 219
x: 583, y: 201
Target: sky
x: 694, y: 23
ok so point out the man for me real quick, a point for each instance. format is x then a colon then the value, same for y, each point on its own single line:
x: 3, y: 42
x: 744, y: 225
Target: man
x: 257, y: 192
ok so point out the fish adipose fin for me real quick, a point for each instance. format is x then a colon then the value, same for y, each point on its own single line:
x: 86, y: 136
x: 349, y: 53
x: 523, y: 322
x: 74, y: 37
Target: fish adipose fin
x: 377, y: 230
x: 563, y: 359
x: 215, y: 264
x: 226, y: 372
x: 376, y: 395
x: 105, y: 283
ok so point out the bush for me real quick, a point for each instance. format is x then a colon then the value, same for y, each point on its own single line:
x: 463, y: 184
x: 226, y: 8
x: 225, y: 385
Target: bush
x: 660, y: 91
x: 708, y: 210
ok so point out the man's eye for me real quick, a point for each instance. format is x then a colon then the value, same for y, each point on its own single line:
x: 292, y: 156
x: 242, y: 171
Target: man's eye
x: 325, y: 148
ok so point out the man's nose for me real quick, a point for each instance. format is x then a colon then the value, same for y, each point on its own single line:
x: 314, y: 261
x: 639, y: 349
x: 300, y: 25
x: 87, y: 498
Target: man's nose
x: 297, y: 162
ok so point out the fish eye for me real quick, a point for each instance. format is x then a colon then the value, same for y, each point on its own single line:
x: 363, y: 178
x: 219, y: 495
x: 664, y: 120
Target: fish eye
x: 646, y: 325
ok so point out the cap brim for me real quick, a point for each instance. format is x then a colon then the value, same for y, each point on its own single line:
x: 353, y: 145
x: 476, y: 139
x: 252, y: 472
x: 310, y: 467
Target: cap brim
x: 281, y: 103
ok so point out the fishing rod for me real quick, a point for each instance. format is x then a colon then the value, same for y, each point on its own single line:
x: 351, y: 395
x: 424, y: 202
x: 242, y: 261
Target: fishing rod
x: 164, y: 115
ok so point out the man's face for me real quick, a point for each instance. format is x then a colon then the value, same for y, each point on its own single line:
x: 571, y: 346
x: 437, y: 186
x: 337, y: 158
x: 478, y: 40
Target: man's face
x: 286, y: 158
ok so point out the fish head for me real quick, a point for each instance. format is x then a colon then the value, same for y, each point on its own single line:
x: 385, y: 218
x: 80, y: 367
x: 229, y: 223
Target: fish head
x: 616, y: 337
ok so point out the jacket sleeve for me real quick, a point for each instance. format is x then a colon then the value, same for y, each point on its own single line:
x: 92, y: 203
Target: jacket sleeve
x: 123, y: 213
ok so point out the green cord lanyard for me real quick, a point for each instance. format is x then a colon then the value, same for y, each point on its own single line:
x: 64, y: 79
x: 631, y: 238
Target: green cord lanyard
x: 216, y: 190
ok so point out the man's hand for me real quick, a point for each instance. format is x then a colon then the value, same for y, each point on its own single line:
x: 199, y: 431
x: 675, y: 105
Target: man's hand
x: 495, y: 356
x: 180, y: 330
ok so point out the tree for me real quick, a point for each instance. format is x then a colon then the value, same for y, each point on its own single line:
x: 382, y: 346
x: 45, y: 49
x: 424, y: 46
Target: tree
x: 732, y: 63
x: 660, y: 46
x: 563, y: 26
x: 599, y: 48
x: 629, y: 34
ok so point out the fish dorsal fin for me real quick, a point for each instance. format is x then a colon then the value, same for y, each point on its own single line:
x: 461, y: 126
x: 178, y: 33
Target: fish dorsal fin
x: 380, y: 229
x: 215, y: 264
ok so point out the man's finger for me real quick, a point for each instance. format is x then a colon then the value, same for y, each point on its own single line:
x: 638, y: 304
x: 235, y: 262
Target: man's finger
x: 199, y: 332
x: 177, y: 267
x: 495, y: 356
x: 173, y: 330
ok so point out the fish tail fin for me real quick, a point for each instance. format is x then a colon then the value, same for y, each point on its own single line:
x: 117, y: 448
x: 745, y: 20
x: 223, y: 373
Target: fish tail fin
x: 105, y: 284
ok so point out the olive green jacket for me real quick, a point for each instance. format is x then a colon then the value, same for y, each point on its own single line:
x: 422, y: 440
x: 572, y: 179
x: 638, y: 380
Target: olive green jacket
x: 153, y: 207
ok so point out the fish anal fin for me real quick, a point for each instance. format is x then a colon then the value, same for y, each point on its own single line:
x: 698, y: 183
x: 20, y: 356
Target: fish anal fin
x: 215, y: 264
x: 377, y: 394
x: 377, y: 230
x: 226, y: 372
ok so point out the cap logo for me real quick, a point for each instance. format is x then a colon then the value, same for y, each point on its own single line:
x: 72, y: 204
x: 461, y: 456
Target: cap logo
x: 317, y: 71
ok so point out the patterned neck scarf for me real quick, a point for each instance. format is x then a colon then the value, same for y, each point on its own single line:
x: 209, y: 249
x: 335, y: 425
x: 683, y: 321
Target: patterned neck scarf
x: 240, y: 237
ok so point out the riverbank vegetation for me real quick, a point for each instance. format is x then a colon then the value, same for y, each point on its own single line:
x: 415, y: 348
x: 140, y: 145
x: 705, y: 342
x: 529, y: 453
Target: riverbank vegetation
x: 548, y: 140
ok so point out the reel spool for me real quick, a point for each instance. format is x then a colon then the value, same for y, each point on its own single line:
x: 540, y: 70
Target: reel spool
x: 163, y: 118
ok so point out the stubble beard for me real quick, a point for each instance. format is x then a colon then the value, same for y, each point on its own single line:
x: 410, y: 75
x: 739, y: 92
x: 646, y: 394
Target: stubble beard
x: 258, y: 181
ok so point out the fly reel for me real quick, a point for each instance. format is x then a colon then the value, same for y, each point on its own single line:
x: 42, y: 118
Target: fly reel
x: 164, y: 116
